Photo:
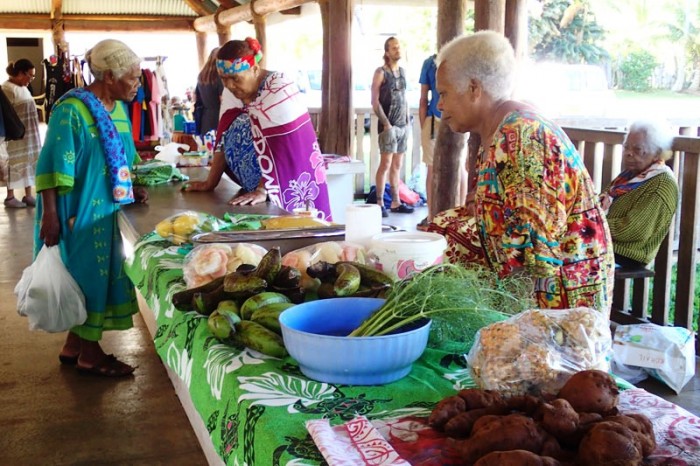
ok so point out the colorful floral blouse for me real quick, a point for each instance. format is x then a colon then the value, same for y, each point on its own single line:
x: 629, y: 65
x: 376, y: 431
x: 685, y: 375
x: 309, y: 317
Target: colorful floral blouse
x: 536, y: 209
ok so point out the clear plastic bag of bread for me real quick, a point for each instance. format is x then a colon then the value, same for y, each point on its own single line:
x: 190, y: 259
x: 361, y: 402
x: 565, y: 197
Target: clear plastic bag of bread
x: 328, y: 251
x: 536, y: 351
x: 206, y: 262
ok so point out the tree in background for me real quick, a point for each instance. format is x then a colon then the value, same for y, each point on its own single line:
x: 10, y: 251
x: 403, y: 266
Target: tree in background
x: 684, y: 33
x: 636, y: 70
x: 566, y: 31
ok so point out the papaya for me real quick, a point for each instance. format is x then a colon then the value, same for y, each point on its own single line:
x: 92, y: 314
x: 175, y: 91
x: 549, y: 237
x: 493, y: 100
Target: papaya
x: 259, y: 300
x: 258, y: 338
x: 269, y: 316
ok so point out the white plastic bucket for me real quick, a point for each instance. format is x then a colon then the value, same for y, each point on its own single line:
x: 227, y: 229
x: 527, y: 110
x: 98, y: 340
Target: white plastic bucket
x: 401, y: 254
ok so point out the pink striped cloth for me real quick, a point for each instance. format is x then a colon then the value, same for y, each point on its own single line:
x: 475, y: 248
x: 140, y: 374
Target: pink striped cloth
x: 354, y: 443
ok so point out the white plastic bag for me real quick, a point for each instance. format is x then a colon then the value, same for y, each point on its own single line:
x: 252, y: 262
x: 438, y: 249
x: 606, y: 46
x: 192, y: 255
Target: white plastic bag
x: 666, y: 353
x: 48, y: 295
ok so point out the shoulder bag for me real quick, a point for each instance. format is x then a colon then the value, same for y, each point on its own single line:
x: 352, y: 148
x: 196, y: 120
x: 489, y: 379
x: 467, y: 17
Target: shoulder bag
x: 14, y: 128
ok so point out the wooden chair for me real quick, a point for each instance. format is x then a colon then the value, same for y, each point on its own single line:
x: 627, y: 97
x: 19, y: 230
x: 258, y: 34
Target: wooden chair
x: 40, y: 102
x: 623, y: 277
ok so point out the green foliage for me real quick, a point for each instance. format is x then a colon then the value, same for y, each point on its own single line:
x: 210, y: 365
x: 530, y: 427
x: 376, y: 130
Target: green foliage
x: 460, y: 300
x: 672, y: 304
x: 636, y: 69
x: 567, y: 31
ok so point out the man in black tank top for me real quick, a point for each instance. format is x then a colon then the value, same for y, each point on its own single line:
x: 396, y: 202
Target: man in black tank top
x: 389, y: 104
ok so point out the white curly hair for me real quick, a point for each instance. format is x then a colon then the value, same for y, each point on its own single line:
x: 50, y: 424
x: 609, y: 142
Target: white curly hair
x: 485, y: 56
x: 657, y: 136
x: 112, y: 55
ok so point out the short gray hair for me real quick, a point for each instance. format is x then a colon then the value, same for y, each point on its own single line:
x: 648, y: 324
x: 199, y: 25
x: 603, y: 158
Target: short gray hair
x: 485, y: 56
x: 111, y: 55
x: 657, y: 136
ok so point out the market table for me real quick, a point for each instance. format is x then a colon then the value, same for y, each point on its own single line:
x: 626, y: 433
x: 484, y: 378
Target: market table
x: 248, y: 408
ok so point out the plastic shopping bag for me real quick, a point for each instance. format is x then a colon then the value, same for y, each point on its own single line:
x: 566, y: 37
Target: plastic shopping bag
x: 48, y: 295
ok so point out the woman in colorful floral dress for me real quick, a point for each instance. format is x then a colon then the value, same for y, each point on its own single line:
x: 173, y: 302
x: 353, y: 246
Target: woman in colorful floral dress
x: 267, y: 142
x: 533, y: 209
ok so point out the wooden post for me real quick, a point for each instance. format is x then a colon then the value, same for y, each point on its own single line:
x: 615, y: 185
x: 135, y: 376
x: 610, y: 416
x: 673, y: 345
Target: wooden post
x: 202, y: 53
x: 260, y: 31
x: 490, y: 14
x: 223, y: 31
x: 448, y: 145
x: 57, y: 29
x: 516, y: 27
x: 337, y: 112
x: 323, y: 124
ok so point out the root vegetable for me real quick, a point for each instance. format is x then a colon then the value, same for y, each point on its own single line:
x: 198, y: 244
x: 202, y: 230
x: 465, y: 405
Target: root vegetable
x: 445, y: 410
x: 516, y: 458
x: 609, y: 444
x: 460, y: 426
x: 559, y: 418
x: 476, y: 399
x: 591, y: 391
x: 502, y: 433
x: 642, y: 428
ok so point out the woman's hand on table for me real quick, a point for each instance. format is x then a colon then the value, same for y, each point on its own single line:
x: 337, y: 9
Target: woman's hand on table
x: 251, y: 198
x: 198, y: 186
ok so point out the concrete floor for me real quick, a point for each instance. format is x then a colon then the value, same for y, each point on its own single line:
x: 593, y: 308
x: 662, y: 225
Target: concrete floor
x: 50, y: 414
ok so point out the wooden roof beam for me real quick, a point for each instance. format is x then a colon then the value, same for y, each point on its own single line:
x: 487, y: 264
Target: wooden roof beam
x: 100, y: 23
x: 243, y: 13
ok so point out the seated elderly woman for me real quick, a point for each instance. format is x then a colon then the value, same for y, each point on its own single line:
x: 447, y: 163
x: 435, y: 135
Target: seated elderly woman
x: 534, y: 210
x: 641, y: 201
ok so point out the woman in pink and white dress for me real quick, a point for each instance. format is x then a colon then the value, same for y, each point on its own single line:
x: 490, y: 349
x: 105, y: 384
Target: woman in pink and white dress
x: 266, y: 143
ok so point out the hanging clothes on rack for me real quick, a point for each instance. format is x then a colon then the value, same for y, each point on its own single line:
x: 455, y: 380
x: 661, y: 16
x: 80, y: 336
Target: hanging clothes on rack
x: 56, y: 83
x: 146, y: 108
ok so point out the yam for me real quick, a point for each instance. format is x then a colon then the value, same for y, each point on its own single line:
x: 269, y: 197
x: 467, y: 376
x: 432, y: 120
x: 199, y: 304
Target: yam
x: 642, y: 428
x: 559, y: 418
x: 501, y: 433
x: 609, y: 444
x: 445, y: 410
x: 591, y: 391
x: 475, y: 398
x: 516, y: 458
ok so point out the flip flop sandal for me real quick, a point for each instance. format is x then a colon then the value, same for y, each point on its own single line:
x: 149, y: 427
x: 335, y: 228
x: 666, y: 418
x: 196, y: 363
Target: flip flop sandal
x: 68, y: 360
x: 110, y: 366
x: 423, y: 225
x: 402, y: 209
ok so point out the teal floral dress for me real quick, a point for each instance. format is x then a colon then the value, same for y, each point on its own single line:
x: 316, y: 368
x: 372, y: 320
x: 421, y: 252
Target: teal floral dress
x: 73, y: 161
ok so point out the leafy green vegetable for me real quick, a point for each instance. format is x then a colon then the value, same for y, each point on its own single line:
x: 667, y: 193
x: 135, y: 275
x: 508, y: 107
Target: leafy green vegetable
x: 460, y: 300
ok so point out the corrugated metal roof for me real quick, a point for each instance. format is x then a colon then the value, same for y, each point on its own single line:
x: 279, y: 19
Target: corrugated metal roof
x: 100, y: 7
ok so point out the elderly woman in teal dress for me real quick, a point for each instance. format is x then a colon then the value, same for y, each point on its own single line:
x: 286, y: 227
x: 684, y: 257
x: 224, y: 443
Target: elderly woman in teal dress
x: 83, y: 177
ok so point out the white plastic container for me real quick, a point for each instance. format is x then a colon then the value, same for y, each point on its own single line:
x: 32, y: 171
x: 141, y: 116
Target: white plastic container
x: 401, y: 254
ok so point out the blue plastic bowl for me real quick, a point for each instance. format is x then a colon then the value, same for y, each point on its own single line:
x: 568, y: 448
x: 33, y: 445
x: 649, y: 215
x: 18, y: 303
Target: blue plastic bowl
x: 315, y: 334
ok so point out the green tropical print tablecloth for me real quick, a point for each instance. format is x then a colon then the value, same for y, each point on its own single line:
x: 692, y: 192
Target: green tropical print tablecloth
x: 255, y: 406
